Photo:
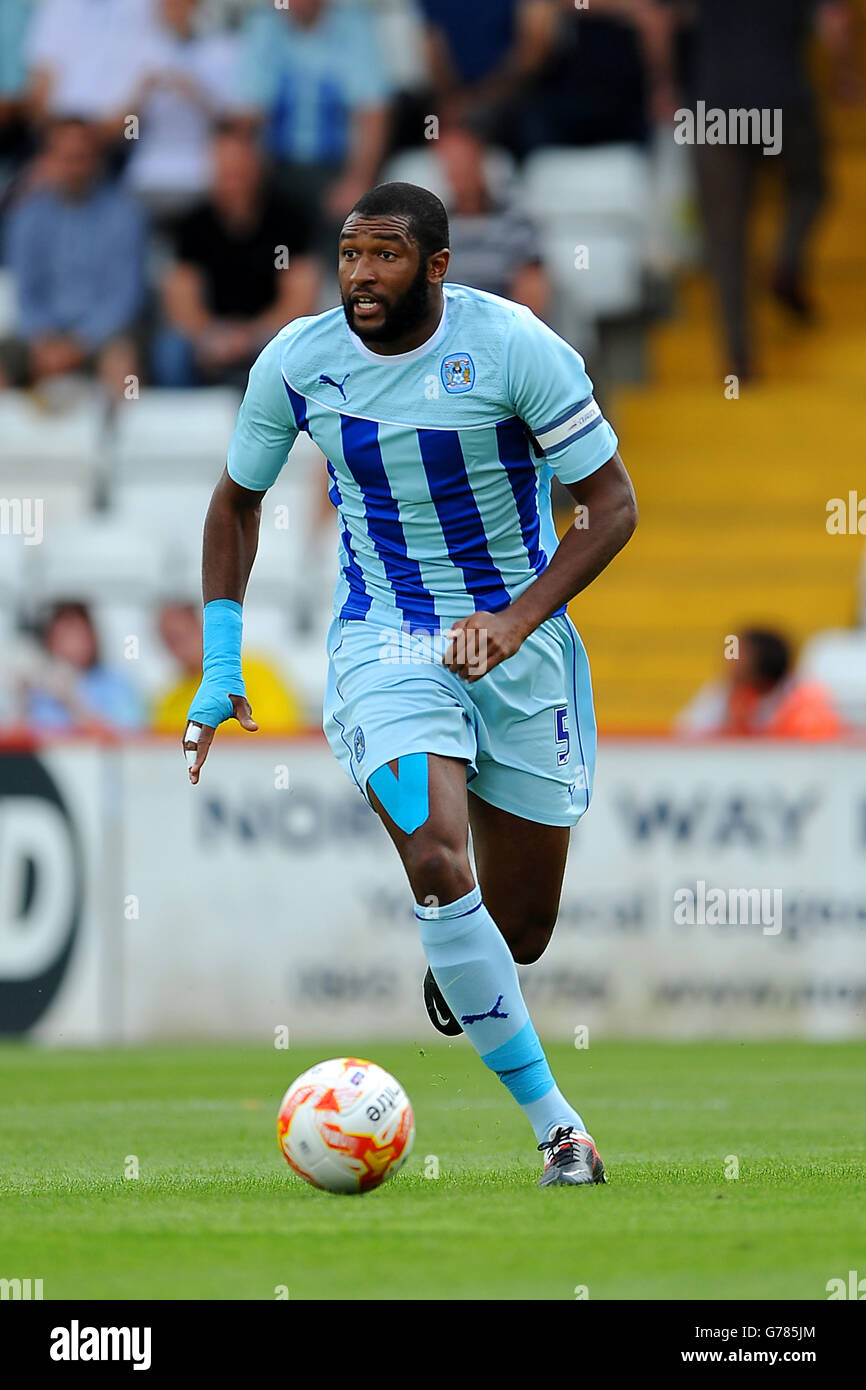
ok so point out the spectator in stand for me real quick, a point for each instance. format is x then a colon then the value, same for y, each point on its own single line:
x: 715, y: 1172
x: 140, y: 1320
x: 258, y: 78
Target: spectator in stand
x: 186, y: 81
x: 276, y: 707
x: 483, y: 57
x: 65, y: 684
x: 83, y: 57
x: 609, y: 69
x: 243, y: 270
x: 761, y: 697
x: 76, y: 247
x: 314, y: 76
x: 494, y: 246
x: 743, y: 56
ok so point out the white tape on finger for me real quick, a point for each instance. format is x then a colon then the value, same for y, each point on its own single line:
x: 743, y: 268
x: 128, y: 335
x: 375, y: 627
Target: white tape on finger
x: 193, y: 733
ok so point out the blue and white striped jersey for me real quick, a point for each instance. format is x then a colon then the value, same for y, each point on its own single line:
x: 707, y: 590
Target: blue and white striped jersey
x: 439, y: 459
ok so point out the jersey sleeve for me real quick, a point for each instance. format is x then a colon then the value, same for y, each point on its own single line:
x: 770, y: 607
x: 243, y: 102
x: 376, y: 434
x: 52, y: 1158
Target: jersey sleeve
x: 549, y: 389
x: 266, y: 427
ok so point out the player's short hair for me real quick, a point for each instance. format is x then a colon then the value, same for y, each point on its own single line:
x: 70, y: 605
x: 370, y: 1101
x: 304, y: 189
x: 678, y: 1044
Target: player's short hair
x: 424, y: 211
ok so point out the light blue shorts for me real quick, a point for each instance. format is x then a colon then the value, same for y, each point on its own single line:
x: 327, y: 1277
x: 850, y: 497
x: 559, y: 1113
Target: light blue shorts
x: 526, y: 730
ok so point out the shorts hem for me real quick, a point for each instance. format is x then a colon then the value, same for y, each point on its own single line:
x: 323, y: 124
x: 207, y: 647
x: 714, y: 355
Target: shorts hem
x: 504, y: 803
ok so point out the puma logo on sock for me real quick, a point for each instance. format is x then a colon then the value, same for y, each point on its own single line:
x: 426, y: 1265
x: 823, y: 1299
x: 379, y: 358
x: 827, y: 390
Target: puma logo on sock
x: 491, y: 1013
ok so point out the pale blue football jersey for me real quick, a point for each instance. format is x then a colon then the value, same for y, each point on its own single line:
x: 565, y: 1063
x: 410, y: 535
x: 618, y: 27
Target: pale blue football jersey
x: 439, y: 459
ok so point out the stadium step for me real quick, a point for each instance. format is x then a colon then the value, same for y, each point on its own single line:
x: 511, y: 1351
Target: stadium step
x: 733, y: 494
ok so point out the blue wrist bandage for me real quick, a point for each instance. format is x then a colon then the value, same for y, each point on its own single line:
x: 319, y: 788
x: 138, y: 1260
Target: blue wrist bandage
x: 221, y: 663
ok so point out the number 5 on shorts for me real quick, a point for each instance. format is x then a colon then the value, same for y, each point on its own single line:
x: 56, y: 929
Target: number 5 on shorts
x: 563, y: 738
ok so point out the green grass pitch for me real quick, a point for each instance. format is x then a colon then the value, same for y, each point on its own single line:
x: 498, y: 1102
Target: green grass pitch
x: 215, y: 1212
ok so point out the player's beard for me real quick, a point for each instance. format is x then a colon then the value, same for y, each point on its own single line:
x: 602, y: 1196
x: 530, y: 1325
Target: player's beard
x: 401, y: 318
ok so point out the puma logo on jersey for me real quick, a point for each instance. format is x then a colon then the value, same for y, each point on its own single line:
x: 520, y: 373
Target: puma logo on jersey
x: 329, y: 381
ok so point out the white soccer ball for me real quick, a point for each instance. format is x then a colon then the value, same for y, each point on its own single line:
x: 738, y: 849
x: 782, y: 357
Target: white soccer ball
x: 346, y: 1125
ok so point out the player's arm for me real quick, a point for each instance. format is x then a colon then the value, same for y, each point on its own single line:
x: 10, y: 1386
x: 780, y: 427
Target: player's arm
x: 607, y: 503
x: 547, y: 387
x: 265, y: 431
x: 231, y: 536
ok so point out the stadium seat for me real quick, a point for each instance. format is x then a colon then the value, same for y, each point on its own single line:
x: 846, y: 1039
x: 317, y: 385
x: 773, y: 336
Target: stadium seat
x: 610, y: 285
x: 15, y: 558
x: 97, y: 560
x: 170, y: 513
x: 8, y: 303
x: 401, y: 38
x: 837, y: 658
x: 175, y: 434
x: 606, y: 183
x: 130, y: 642
x: 422, y: 167
x: 598, y: 199
x: 65, y: 444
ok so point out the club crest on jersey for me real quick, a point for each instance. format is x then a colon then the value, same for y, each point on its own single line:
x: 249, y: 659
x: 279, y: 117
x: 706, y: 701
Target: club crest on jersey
x: 359, y: 744
x: 457, y: 372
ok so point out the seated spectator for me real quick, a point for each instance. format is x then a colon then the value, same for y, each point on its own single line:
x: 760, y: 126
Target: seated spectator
x: 243, y: 270
x: 185, y: 82
x: 65, y: 685
x: 494, y: 247
x: 83, y: 56
x: 761, y: 697
x: 314, y: 75
x: 276, y: 707
x: 76, y: 247
x: 483, y: 57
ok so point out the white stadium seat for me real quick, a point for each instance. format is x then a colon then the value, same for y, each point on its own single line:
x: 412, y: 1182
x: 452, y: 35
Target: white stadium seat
x: 421, y: 166
x: 610, y: 284
x: 837, y: 658
x: 8, y: 303
x: 97, y: 560
x: 171, y: 514
x: 605, y: 183
x: 15, y: 558
x: 175, y: 434
x: 130, y: 642
x: 597, y: 199
x: 39, y: 443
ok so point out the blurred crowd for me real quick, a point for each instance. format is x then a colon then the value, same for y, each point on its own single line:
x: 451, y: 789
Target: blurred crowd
x: 173, y: 174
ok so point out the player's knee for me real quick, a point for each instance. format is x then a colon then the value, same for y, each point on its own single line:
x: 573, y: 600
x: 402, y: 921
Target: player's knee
x: 529, y: 937
x: 527, y: 952
x: 436, y: 868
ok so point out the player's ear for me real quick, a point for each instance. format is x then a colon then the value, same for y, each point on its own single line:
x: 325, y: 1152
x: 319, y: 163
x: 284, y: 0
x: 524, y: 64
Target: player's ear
x: 437, y: 266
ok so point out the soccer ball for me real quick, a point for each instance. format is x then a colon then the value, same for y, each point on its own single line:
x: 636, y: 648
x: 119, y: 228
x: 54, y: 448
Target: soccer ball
x: 346, y: 1125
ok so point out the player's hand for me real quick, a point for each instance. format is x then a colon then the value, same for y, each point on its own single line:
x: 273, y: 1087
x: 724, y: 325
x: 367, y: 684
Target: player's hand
x: 199, y: 737
x: 479, y: 643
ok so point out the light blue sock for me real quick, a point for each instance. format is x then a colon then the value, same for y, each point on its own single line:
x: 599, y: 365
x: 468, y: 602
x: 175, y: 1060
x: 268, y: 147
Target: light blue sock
x: 474, y: 969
